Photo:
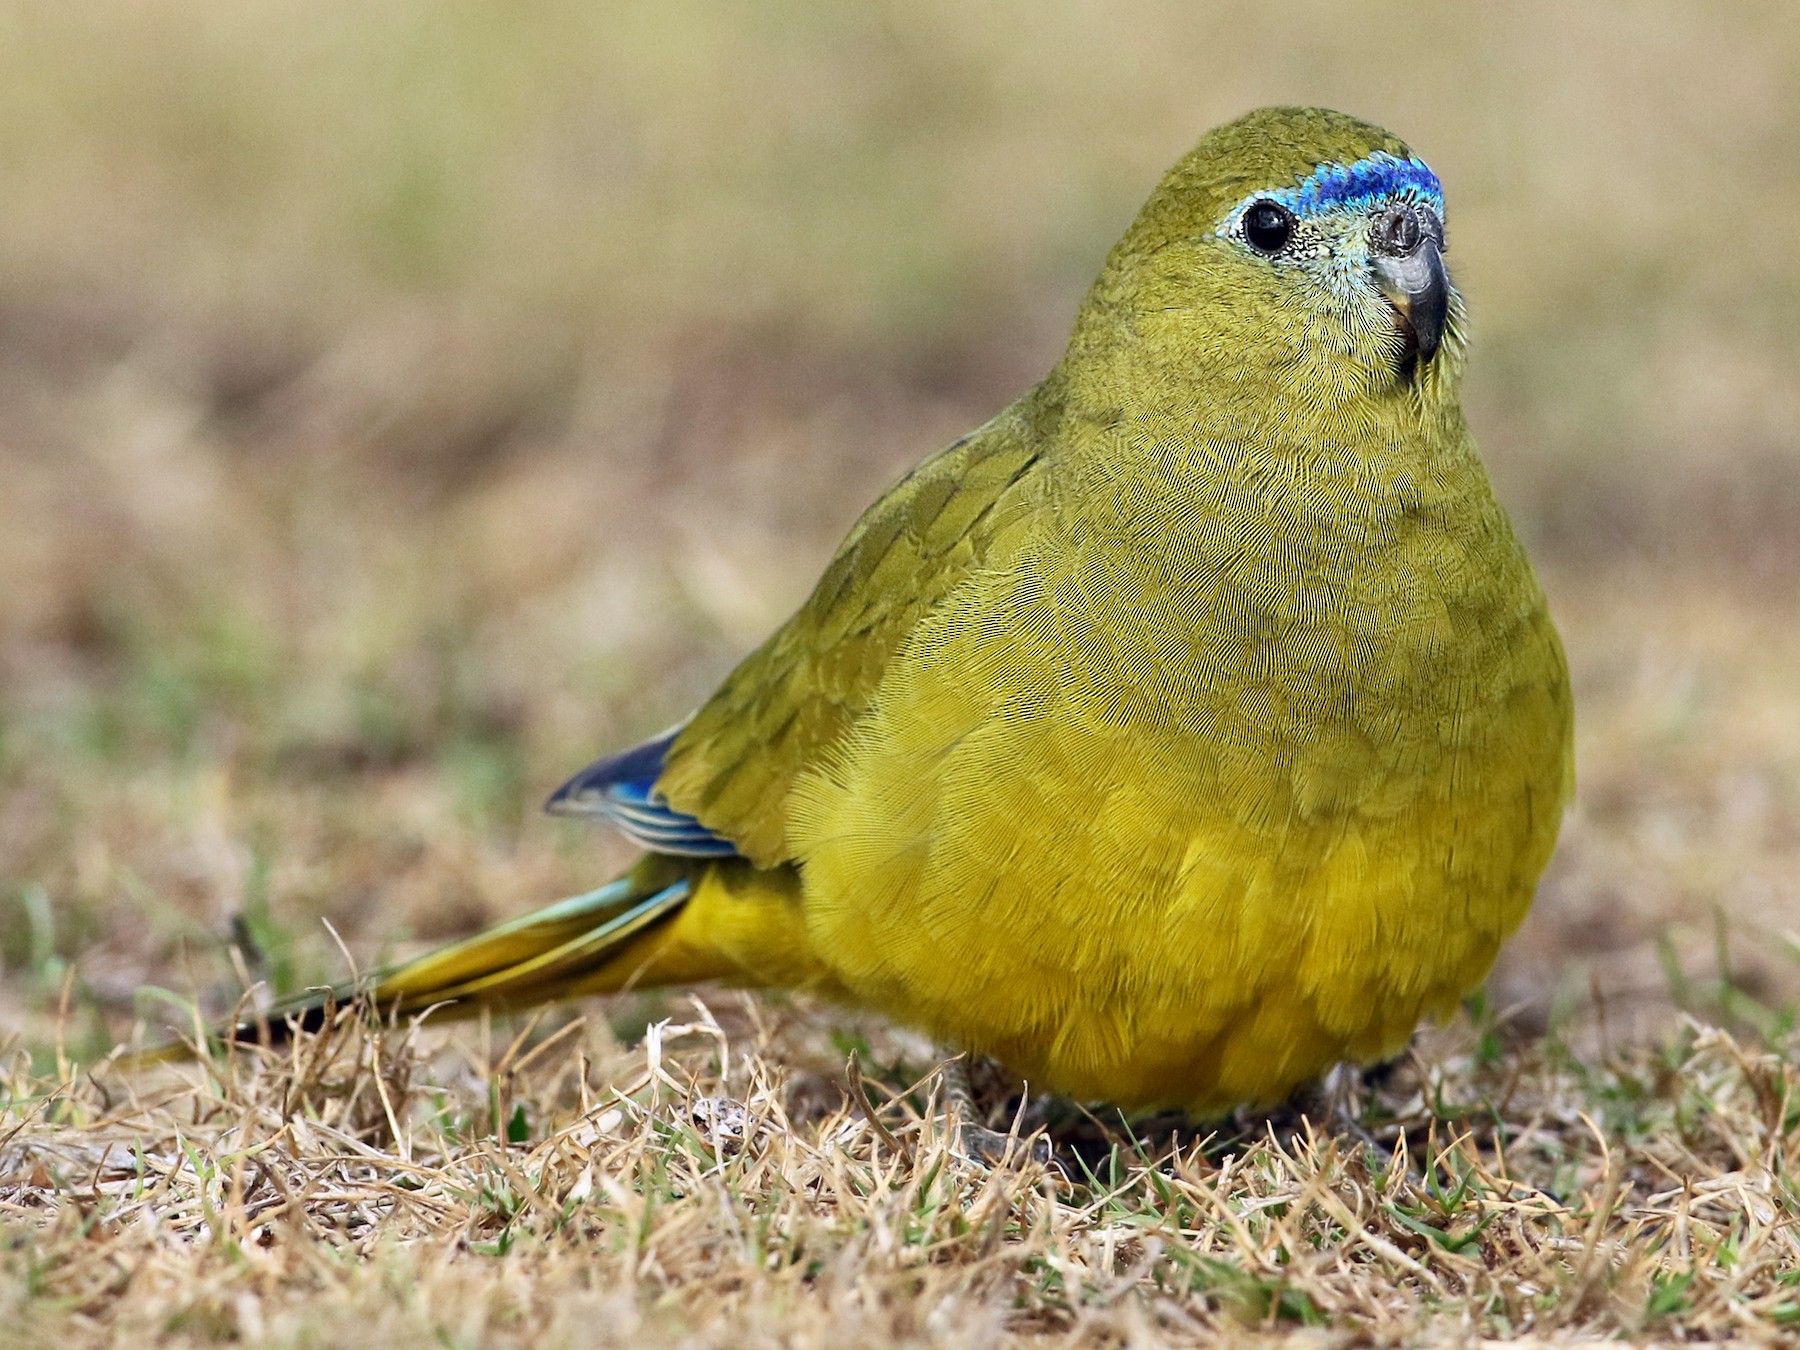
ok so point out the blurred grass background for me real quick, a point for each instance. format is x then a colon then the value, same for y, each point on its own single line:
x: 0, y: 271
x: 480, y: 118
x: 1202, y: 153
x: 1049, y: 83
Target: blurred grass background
x: 402, y: 403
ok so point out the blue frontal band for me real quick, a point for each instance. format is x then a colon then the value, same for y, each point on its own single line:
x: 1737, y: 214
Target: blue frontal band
x: 1358, y: 186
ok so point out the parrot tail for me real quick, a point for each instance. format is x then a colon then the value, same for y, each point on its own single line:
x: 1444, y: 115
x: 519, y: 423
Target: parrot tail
x: 599, y: 942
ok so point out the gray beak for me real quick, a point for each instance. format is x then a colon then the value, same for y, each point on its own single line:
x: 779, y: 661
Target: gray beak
x: 1406, y: 251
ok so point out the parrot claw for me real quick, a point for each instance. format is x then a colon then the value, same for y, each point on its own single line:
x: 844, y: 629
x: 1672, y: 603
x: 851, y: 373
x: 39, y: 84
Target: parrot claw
x: 991, y: 1148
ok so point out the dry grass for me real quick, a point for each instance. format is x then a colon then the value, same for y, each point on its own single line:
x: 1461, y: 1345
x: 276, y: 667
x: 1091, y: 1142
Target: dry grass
x: 696, y: 1190
x: 400, y: 404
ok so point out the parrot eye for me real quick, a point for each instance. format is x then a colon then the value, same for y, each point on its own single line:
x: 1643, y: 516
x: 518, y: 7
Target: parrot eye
x: 1268, y: 227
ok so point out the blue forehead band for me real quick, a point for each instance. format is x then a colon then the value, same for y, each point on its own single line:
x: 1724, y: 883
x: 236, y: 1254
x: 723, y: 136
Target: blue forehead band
x: 1358, y: 186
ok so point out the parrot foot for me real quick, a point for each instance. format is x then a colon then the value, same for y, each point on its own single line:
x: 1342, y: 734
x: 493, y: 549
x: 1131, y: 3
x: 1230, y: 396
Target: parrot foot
x: 1335, y: 1102
x: 977, y: 1143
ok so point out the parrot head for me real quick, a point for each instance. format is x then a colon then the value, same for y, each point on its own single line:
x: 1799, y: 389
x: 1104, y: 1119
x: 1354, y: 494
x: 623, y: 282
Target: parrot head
x: 1294, y: 249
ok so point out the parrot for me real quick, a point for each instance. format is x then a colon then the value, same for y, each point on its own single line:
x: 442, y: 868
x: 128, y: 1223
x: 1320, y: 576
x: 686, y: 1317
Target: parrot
x: 1194, y: 726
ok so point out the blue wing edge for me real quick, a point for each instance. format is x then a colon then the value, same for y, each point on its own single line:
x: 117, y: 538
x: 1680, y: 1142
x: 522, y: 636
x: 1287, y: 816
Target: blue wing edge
x: 621, y: 789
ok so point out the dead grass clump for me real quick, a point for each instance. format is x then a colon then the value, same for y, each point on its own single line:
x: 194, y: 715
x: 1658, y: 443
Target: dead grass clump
x: 693, y: 1190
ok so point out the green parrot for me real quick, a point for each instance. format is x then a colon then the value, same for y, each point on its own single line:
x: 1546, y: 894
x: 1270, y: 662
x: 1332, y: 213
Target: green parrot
x: 1192, y: 726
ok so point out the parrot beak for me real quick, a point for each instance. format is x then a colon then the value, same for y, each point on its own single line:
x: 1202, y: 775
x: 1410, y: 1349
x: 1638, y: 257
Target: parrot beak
x: 1406, y: 248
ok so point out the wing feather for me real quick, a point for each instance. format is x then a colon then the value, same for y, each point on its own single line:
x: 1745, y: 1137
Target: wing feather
x: 732, y: 766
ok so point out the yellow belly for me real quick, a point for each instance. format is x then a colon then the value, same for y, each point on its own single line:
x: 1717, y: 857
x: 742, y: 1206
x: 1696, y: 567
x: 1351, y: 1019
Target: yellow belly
x: 1189, y: 963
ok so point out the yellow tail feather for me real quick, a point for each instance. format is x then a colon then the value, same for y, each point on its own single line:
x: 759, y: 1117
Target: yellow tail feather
x: 666, y: 921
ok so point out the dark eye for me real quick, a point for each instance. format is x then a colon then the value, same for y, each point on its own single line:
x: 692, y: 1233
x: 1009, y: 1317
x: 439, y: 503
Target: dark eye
x: 1268, y: 227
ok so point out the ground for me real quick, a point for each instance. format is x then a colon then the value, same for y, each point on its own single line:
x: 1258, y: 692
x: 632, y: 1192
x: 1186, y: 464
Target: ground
x: 401, y: 405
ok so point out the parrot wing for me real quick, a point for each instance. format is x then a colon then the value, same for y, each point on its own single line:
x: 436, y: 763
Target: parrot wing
x: 729, y: 769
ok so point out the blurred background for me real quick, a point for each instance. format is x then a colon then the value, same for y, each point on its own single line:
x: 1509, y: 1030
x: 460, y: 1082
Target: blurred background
x: 402, y: 403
